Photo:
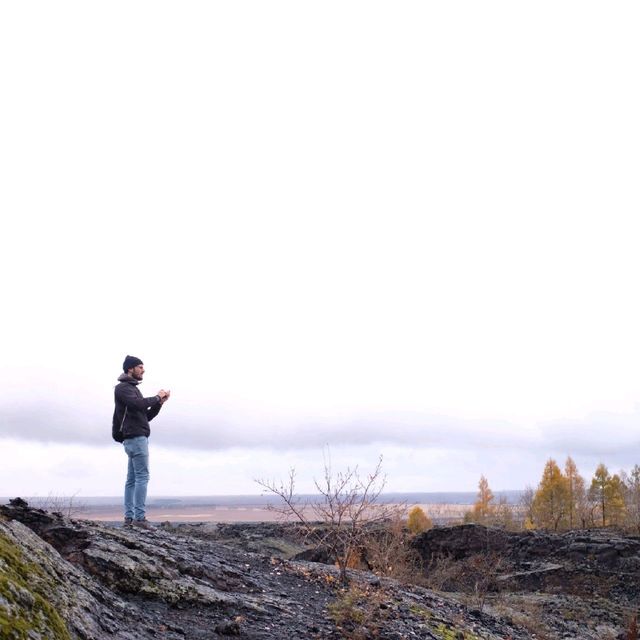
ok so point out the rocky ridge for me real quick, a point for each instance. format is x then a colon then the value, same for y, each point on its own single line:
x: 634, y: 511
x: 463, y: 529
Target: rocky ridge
x: 68, y: 579
x: 75, y: 579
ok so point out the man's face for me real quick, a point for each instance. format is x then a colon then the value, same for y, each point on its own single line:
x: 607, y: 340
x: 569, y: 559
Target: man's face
x: 137, y: 372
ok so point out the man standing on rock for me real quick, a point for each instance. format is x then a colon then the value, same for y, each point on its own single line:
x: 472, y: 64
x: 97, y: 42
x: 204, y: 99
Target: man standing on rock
x: 131, y: 427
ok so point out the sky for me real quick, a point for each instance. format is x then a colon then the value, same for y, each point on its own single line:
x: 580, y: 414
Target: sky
x: 364, y: 228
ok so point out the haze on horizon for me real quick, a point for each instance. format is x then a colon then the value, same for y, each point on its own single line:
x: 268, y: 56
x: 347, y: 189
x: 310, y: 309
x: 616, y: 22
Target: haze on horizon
x: 402, y: 230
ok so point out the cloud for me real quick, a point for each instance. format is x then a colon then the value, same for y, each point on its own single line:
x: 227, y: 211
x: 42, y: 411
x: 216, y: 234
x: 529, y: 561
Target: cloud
x: 53, y: 422
x: 50, y: 422
x: 400, y: 428
x: 603, y: 434
x: 611, y: 437
x: 186, y: 427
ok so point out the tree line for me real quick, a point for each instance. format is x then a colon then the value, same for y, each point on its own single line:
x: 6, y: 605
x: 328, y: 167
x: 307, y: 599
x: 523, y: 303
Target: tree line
x: 563, y: 500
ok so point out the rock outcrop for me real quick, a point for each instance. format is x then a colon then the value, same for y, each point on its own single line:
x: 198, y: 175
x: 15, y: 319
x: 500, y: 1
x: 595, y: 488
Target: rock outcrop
x: 66, y: 579
x: 73, y: 579
x: 583, y: 562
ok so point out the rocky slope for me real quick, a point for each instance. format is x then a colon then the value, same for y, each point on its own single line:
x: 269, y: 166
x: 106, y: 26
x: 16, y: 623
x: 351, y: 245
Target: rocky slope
x: 598, y: 562
x: 75, y: 579
x: 578, y: 584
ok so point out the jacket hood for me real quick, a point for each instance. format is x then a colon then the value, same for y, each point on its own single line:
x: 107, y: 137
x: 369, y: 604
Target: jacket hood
x: 125, y: 377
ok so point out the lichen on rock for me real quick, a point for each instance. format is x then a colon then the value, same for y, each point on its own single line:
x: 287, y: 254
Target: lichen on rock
x: 25, y: 611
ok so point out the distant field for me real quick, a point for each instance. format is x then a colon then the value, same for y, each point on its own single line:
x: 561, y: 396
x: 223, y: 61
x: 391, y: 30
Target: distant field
x: 244, y: 513
x: 442, y: 507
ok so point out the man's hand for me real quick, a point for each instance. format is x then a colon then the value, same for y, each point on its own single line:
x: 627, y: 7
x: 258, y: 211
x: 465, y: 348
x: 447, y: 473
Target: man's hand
x: 163, y: 395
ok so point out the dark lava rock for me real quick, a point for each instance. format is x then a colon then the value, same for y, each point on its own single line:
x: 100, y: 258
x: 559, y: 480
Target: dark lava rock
x: 593, y: 562
x: 231, y: 628
x: 64, y: 578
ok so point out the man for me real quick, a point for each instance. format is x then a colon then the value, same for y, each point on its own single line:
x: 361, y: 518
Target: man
x: 131, y: 427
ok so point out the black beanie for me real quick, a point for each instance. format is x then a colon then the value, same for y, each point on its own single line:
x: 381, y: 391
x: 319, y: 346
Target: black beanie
x: 130, y: 362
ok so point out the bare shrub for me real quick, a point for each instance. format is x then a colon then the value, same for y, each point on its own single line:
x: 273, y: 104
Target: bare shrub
x: 482, y: 571
x: 347, y: 510
x: 388, y: 552
x: 67, y: 506
x: 476, y: 576
x: 444, y: 573
x: 530, y: 616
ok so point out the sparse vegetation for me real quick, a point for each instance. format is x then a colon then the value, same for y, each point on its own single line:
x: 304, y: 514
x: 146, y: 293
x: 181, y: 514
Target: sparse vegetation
x: 475, y: 576
x: 348, y: 511
x: 67, y: 506
x: 487, y: 512
x: 530, y: 617
x: 358, y: 612
x: 388, y: 552
x: 449, y: 633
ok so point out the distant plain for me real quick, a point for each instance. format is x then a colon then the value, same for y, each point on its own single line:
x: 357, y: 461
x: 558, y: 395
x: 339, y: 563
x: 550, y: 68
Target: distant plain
x: 442, y: 507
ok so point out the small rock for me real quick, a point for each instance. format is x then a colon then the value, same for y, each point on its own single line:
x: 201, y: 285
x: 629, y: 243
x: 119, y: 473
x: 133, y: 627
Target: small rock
x: 228, y: 628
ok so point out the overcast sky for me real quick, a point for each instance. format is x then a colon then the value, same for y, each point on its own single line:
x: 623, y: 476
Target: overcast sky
x: 407, y: 229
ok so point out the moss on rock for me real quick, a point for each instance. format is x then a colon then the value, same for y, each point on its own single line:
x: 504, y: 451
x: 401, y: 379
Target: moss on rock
x: 449, y: 633
x: 25, y: 612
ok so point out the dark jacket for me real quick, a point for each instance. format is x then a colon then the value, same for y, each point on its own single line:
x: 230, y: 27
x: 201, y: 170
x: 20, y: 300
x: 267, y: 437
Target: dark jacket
x: 132, y: 412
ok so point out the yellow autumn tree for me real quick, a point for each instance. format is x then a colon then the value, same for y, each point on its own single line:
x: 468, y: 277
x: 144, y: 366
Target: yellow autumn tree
x: 418, y: 521
x: 483, y: 508
x: 607, y: 494
x: 617, y: 507
x: 551, y: 500
x: 576, y: 500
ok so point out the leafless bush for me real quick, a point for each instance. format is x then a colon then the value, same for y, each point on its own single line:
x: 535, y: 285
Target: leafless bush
x: 388, y: 552
x: 476, y: 576
x: 348, y: 509
x: 65, y: 505
x: 444, y: 573
x: 483, y: 570
x: 530, y: 616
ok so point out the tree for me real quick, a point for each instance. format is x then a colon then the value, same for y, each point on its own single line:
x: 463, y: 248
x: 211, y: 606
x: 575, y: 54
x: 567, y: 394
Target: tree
x: 418, y: 521
x: 576, y: 500
x: 483, y: 509
x: 551, y: 500
x: 632, y: 498
x: 607, y: 494
x: 526, y: 507
x: 503, y: 514
x: 348, y: 509
x: 598, y: 491
x: 616, y: 490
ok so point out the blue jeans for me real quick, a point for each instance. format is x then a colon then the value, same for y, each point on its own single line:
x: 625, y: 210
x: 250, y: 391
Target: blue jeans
x: 135, y: 489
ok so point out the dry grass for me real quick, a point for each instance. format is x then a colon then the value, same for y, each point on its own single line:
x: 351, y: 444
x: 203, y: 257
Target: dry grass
x: 358, y: 612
